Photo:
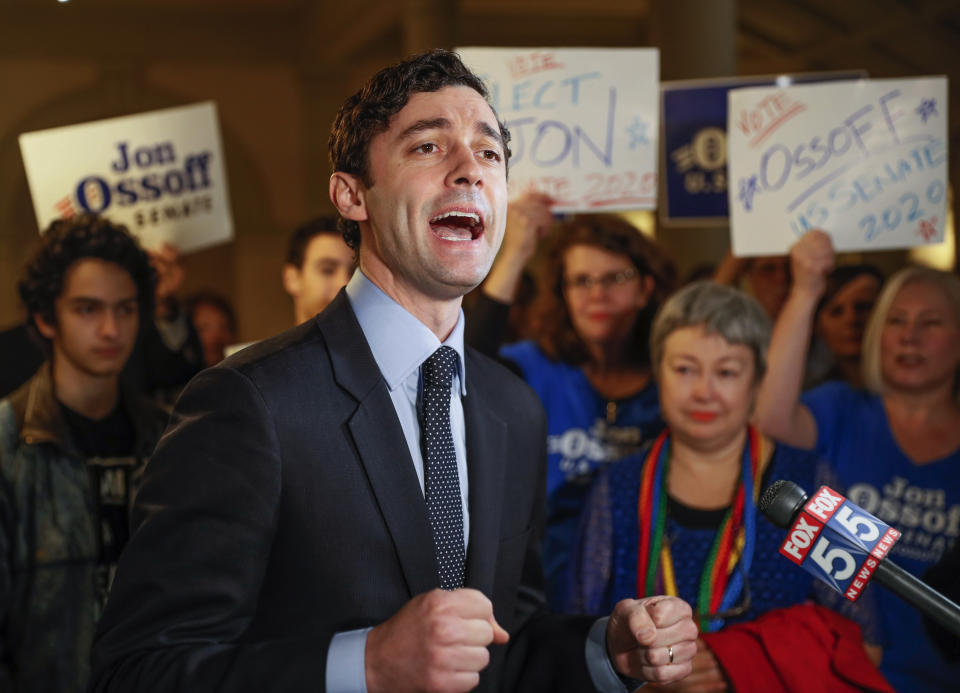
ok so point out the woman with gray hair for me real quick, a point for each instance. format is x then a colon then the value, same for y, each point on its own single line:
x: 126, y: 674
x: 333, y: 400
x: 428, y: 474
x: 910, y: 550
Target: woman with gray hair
x: 894, y: 447
x: 680, y: 517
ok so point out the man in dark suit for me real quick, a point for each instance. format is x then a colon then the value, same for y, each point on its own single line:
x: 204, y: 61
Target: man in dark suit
x: 284, y: 542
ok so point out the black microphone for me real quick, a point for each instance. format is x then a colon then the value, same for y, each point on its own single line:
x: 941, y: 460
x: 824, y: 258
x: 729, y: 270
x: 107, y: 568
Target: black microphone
x: 828, y: 537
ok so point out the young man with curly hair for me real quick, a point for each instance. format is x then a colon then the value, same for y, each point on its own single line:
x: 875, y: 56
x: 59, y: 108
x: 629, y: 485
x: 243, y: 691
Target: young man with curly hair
x: 71, y: 442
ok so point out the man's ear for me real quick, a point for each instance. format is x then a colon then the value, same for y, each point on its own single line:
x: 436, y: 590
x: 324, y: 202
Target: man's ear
x: 347, y: 193
x: 291, y: 279
x: 46, y: 329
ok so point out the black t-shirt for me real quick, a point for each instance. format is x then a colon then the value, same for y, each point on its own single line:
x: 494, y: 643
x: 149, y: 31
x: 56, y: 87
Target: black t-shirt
x: 108, y: 444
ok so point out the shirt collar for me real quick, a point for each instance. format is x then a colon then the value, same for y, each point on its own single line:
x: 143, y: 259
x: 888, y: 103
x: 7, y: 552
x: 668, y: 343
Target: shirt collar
x: 400, y: 342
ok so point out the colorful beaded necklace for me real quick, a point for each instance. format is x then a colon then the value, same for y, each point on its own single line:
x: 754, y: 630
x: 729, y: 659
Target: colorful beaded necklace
x: 721, y: 582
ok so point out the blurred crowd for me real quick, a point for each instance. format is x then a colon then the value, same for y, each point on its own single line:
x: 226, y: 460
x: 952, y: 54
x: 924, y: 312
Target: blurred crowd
x: 670, y: 407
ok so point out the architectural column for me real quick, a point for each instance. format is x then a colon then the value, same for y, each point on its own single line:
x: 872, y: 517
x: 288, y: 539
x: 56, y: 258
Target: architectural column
x: 697, y: 40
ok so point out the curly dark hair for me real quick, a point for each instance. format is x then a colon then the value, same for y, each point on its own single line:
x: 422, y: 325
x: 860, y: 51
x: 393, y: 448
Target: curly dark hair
x: 303, y: 234
x: 550, y: 318
x: 86, y: 236
x: 367, y: 113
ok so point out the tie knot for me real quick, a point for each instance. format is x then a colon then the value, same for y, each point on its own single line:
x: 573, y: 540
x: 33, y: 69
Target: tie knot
x: 439, y: 368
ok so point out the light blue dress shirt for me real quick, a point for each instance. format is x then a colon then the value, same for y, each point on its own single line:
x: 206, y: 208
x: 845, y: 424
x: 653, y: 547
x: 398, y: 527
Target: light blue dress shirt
x: 400, y: 343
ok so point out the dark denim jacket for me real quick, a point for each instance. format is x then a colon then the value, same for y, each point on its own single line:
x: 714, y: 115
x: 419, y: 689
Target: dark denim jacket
x: 50, y: 587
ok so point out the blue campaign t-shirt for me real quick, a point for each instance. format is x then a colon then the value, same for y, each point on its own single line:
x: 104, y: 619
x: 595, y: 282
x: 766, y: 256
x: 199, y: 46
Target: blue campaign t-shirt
x: 583, y: 433
x: 920, y: 500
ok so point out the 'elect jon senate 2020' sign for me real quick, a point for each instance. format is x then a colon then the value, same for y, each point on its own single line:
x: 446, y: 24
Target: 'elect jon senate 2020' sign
x: 583, y: 121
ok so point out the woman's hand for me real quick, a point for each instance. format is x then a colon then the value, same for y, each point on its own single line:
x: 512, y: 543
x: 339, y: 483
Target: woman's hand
x: 706, y: 677
x: 170, y: 275
x: 779, y: 413
x: 811, y: 260
x: 528, y: 220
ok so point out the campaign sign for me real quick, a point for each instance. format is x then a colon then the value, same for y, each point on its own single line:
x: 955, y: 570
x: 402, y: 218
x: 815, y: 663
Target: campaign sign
x: 695, y: 142
x: 160, y: 173
x: 838, y: 542
x: 865, y: 161
x: 583, y: 121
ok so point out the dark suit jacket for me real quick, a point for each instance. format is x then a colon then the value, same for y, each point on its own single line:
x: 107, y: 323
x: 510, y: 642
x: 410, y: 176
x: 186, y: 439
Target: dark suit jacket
x: 282, y: 506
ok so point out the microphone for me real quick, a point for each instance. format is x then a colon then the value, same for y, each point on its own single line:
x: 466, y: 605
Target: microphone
x: 845, y: 546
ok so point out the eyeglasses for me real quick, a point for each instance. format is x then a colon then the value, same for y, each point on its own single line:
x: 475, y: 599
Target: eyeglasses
x: 584, y: 282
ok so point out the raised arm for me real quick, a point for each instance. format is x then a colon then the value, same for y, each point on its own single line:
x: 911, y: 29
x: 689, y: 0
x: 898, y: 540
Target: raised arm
x: 779, y: 412
x: 528, y: 221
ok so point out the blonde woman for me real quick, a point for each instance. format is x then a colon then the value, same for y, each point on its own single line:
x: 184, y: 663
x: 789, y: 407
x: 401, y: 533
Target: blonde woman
x: 895, y: 445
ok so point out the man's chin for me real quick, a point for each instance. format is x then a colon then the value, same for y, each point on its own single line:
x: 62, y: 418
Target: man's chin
x: 105, y: 368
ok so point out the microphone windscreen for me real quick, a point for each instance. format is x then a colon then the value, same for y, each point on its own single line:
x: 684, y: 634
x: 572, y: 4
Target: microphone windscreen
x: 781, y: 502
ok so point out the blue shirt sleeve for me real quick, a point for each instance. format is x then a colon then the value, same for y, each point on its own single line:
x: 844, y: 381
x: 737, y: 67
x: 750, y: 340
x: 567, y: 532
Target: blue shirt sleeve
x: 346, y: 668
x: 602, y: 673
x: 829, y: 403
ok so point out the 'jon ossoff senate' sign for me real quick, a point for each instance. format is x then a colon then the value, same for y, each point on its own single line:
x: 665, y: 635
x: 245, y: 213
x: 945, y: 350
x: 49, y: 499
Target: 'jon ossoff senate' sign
x: 160, y: 173
x: 584, y: 122
x: 865, y: 161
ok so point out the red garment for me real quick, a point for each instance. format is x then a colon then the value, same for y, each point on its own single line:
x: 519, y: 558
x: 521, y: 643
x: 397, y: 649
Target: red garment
x: 800, y: 649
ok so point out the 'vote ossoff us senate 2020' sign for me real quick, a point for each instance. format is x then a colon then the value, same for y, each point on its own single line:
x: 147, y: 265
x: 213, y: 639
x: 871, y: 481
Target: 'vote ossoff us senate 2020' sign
x: 865, y: 161
x: 160, y: 173
x: 584, y: 122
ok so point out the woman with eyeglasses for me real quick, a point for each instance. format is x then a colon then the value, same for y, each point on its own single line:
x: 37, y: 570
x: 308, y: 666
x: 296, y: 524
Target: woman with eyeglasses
x: 680, y: 516
x: 600, y: 286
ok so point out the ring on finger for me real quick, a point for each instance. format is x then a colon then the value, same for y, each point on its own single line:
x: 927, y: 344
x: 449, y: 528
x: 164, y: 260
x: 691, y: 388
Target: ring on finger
x: 670, y: 653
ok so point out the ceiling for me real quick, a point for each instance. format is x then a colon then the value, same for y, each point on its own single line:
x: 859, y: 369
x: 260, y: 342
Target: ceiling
x: 887, y: 38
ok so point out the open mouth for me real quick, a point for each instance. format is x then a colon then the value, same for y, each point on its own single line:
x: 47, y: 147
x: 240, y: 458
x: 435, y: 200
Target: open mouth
x: 457, y: 225
x: 909, y: 360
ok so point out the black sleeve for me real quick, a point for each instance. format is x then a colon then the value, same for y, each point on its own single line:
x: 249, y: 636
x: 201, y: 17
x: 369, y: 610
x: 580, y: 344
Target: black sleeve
x: 22, y: 358
x: 487, y: 325
x: 945, y: 578
x: 547, y: 654
x: 153, y: 366
x: 187, y: 585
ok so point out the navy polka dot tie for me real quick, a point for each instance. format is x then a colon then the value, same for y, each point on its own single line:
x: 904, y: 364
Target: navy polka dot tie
x: 441, y: 482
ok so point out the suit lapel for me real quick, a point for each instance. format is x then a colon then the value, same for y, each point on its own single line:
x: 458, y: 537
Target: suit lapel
x: 381, y: 445
x: 486, y: 464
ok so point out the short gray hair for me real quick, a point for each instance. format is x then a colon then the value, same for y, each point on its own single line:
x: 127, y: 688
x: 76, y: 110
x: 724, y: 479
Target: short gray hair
x: 719, y: 309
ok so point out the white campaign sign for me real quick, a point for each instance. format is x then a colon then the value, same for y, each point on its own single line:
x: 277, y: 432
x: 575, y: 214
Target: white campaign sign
x: 160, y: 173
x: 865, y: 161
x: 584, y: 122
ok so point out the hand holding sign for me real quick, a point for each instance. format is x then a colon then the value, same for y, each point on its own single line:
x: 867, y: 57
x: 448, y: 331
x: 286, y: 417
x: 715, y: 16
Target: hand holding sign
x: 865, y: 161
x: 170, y: 274
x: 811, y: 260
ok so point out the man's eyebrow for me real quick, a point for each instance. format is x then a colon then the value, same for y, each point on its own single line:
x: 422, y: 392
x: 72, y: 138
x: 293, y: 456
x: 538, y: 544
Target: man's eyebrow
x: 485, y: 129
x: 426, y: 124
x: 99, y: 301
x: 444, y: 123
